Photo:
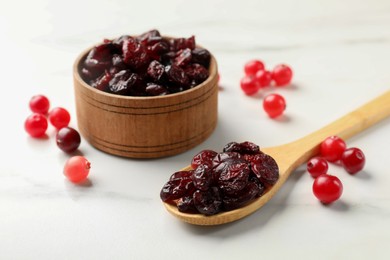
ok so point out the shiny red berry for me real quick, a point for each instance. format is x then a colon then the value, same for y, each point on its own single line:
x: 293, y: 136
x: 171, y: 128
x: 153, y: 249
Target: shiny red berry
x: 249, y: 85
x: 68, y: 139
x: 59, y: 117
x: 253, y: 66
x: 263, y: 78
x: 282, y: 75
x: 332, y: 148
x: 39, y: 104
x: 327, y: 188
x: 77, y: 168
x: 274, y: 105
x: 317, y: 166
x: 353, y: 160
x: 36, y: 125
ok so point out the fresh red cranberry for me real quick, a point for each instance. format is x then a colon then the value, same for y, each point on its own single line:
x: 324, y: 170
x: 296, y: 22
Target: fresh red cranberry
x: 253, y: 66
x: 68, y: 139
x: 249, y: 85
x: 327, y: 188
x: 39, y: 104
x: 76, y: 169
x: 353, y: 160
x: 282, y: 75
x: 59, y: 117
x: 36, y: 125
x: 332, y: 148
x: 274, y: 105
x: 317, y: 166
x: 263, y: 78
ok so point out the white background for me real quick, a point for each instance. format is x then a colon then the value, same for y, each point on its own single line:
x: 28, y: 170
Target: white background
x: 340, y: 54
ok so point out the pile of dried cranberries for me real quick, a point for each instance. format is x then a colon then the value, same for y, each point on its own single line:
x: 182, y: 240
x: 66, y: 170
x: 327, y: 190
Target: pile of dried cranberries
x: 221, y: 181
x: 146, y: 65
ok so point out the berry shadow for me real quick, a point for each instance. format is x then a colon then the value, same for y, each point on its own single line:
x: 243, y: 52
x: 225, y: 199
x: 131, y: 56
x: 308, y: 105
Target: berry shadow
x: 282, y: 119
x: 363, y: 175
x: 256, y: 221
x: 339, y: 205
x: 78, y: 190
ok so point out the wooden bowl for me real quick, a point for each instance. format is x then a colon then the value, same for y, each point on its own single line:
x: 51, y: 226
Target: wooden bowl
x: 146, y: 127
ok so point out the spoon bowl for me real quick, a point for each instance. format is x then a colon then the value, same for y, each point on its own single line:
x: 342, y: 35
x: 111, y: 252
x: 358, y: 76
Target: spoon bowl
x: 291, y: 155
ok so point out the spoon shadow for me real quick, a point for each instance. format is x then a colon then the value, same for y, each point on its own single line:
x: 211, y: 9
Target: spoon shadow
x: 255, y: 221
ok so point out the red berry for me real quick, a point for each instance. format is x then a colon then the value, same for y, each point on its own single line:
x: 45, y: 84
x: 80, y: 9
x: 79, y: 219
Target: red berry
x: 68, y: 139
x: 353, y: 160
x: 274, y: 105
x: 327, y: 188
x: 36, y: 125
x: 317, y: 166
x: 39, y: 104
x: 253, y: 66
x: 332, y: 148
x: 263, y: 78
x: 59, y: 117
x: 77, y: 169
x: 249, y: 85
x: 282, y: 75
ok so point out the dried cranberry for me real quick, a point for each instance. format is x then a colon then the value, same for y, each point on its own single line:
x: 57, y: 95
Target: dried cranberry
x: 197, y: 73
x: 238, y: 200
x: 265, y: 168
x: 221, y: 157
x: 182, y: 43
x: 153, y: 89
x: 155, y: 70
x: 156, y: 50
x: 149, y: 34
x: 120, y: 40
x: 202, y: 177
x: 176, y: 189
x: 117, y: 61
x: 242, y: 148
x: 177, y: 75
x: 208, y: 202
x: 201, y: 56
x: 253, y: 178
x: 123, y: 83
x: 233, y: 175
x: 183, y: 58
x: 180, y: 175
x: 203, y: 157
x: 101, y: 83
x: 99, y: 58
x: 134, y: 54
x: 186, y: 204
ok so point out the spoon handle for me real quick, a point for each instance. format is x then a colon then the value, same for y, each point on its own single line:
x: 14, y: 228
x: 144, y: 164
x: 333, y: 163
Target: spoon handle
x: 303, y: 149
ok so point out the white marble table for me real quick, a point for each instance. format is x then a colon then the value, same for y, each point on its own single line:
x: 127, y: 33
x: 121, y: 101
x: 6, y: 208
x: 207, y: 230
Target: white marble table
x: 340, y: 53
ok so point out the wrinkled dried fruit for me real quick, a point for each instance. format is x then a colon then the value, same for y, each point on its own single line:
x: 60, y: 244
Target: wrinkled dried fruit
x: 204, y: 157
x: 202, y: 177
x: 161, y: 66
x: 222, y: 181
x: 208, y: 202
x: 265, y: 168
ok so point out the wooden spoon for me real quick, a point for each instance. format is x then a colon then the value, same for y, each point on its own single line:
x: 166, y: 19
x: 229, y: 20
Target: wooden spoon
x: 292, y: 155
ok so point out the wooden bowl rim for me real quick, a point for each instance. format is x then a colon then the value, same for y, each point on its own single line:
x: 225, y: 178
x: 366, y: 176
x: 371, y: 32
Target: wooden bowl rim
x: 76, y: 73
